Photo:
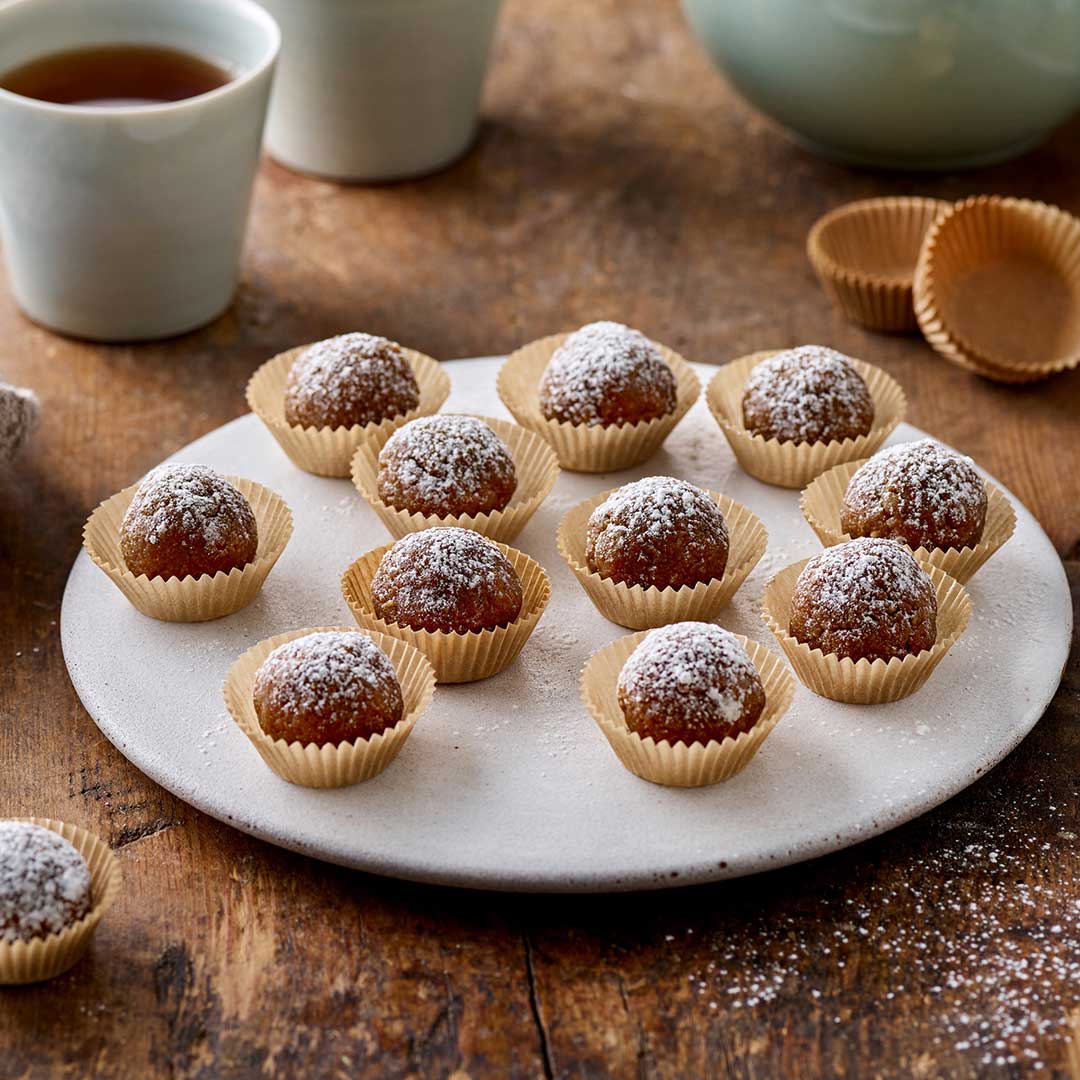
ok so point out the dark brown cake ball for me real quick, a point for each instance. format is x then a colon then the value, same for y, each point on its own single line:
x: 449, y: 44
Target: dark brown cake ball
x: 347, y: 380
x: 606, y: 374
x: 658, y: 532
x: 918, y: 492
x: 450, y: 580
x: 806, y: 395
x: 327, y: 688
x: 186, y: 520
x: 447, y: 466
x: 44, y: 882
x: 865, y: 599
x: 690, y: 682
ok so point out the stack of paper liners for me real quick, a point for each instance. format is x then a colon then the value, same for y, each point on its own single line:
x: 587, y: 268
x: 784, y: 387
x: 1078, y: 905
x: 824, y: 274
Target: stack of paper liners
x: 822, y: 501
x: 535, y: 465
x: 864, y: 682
x: 329, y: 766
x: 43, y: 958
x: 680, y: 765
x: 581, y: 448
x: 791, y: 464
x: 640, y: 608
x: 457, y: 658
x: 191, y: 599
x: 329, y: 451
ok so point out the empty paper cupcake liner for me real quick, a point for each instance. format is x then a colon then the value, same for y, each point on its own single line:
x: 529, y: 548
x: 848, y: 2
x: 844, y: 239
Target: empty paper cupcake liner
x: 680, y: 765
x: 457, y: 658
x: 44, y: 958
x: 865, y: 682
x: 190, y: 599
x: 791, y: 464
x: 640, y: 608
x: 329, y: 451
x: 535, y: 464
x: 329, y: 766
x: 581, y: 448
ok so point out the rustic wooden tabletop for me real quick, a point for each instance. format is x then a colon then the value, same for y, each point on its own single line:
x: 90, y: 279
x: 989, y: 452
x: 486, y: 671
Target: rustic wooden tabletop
x: 616, y: 176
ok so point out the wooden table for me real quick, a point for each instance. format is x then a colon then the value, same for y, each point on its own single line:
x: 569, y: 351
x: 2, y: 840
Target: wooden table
x: 615, y: 177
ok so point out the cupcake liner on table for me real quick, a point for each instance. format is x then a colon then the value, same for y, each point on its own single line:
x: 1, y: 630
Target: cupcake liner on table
x: 821, y: 503
x: 581, y: 448
x: 791, y: 464
x: 641, y: 608
x: 865, y: 682
x: 191, y: 599
x: 330, y: 766
x: 535, y: 464
x: 44, y: 958
x: 698, y: 764
x: 456, y: 658
x: 329, y: 451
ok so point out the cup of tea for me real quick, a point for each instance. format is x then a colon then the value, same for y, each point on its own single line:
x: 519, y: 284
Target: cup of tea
x: 129, y: 137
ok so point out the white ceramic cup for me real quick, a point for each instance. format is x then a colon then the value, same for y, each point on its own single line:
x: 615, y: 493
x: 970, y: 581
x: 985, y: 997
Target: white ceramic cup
x: 126, y: 224
x: 378, y: 89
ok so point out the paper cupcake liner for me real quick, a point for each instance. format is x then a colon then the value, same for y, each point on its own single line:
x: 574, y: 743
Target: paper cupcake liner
x: 314, y: 766
x: 535, y: 464
x: 329, y: 451
x: 789, y: 464
x: 190, y: 599
x: 821, y: 503
x: 640, y: 608
x: 864, y: 254
x: 865, y: 682
x: 973, y: 284
x: 680, y: 765
x: 589, y: 449
x: 45, y: 958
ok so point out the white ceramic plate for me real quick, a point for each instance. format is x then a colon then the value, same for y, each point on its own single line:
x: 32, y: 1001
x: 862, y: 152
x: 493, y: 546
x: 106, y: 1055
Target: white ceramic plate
x: 507, y: 784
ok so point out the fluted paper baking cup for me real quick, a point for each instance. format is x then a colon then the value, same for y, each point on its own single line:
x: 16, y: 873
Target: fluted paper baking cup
x: 191, y: 599
x: 791, y: 464
x: 45, y: 958
x: 640, y: 608
x: 457, y: 658
x: 581, y: 448
x: 865, y: 682
x: 329, y: 451
x: 823, y: 500
x: 535, y: 466
x: 330, y: 766
x: 680, y: 765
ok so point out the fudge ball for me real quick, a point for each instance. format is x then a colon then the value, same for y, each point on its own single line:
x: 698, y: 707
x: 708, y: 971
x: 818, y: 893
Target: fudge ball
x: 447, y: 466
x: 185, y: 521
x: 348, y: 380
x: 690, y: 682
x: 918, y: 492
x: 807, y: 395
x: 865, y: 599
x: 658, y: 532
x: 325, y: 688
x: 452, y: 581
x: 607, y: 374
x: 44, y: 882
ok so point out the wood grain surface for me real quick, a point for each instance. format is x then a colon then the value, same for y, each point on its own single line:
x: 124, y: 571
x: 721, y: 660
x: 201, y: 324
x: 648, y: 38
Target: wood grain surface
x: 616, y: 176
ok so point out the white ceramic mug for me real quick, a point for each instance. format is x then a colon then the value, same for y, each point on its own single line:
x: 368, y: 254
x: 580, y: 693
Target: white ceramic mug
x: 126, y: 224
x: 378, y: 89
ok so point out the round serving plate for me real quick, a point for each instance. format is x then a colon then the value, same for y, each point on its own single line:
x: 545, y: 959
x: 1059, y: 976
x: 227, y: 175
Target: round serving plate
x: 508, y: 784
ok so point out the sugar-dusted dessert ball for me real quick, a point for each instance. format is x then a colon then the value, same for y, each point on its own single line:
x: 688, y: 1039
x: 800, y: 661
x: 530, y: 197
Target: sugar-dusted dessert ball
x: 607, y: 374
x: 658, y: 532
x: 347, y: 380
x: 186, y: 520
x: 690, y: 682
x: 808, y: 394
